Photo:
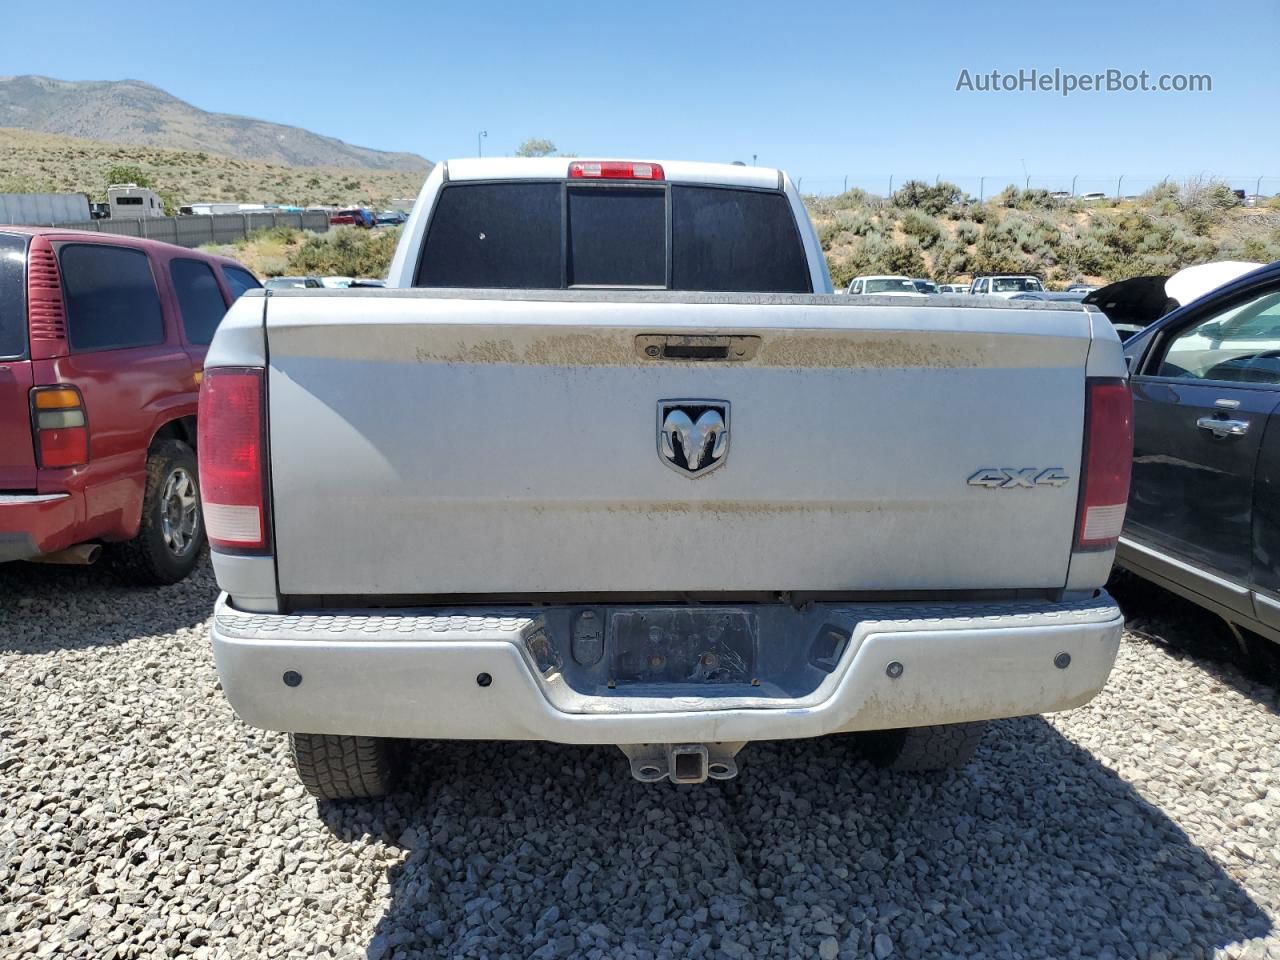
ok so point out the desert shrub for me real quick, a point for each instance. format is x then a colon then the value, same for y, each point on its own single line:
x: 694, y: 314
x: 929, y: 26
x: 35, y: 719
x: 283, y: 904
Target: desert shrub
x: 346, y: 251
x: 1162, y: 199
x: 853, y: 199
x: 882, y: 255
x: 966, y: 232
x: 128, y: 173
x: 843, y: 271
x: 1007, y: 197
x: 921, y: 227
x: 918, y: 195
x: 828, y: 231
x: 1260, y: 249
x: 951, y: 259
x: 982, y: 213
x: 1035, y: 199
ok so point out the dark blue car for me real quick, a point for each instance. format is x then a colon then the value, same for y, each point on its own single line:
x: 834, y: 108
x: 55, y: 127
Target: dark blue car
x: 1204, y: 506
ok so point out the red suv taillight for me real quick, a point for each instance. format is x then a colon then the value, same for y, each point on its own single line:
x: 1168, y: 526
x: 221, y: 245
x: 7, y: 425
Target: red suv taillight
x: 1108, y: 460
x: 233, y: 481
x: 59, y: 426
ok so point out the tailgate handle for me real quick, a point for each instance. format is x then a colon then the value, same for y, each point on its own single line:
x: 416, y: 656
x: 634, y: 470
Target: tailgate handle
x: 673, y: 346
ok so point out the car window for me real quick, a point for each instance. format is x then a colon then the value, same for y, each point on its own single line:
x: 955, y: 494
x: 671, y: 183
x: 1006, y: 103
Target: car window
x: 111, y: 297
x: 1240, y: 345
x: 199, y: 299
x: 1012, y: 284
x: 746, y: 240
x: 238, y: 281
x: 13, y: 296
x: 494, y: 235
x: 891, y: 285
x: 544, y: 235
x: 617, y: 237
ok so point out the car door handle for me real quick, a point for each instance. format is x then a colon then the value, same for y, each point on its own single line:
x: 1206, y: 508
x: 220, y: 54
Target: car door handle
x: 1223, y: 428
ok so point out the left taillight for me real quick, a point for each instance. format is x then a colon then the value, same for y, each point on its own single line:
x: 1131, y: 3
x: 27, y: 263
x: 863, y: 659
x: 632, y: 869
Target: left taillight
x: 60, y: 427
x: 233, y: 481
x: 1108, y: 459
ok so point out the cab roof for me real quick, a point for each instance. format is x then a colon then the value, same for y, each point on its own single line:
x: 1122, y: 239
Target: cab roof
x: 168, y: 250
x: 557, y: 168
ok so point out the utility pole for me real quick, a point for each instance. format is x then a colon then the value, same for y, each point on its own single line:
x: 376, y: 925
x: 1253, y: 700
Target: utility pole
x: 982, y: 183
x: 1027, y: 183
x: 846, y: 184
x: 1073, y: 184
x: 891, y: 184
x: 753, y: 159
x: 1118, y: 182
x: 1257, y: 191
x: 479, y: 145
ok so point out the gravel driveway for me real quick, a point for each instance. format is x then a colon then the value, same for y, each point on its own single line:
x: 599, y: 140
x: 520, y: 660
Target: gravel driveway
x: 141, y: 819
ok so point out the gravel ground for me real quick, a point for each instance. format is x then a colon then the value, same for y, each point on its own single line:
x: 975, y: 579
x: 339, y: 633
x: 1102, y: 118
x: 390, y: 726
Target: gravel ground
x: 141, y: 819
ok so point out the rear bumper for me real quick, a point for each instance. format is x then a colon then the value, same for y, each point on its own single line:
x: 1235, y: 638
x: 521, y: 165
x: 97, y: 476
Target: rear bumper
x: 32, y: 524
x: 414, y: 674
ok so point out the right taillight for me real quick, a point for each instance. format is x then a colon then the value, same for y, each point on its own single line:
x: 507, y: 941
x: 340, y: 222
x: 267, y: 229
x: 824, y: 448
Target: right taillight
x: 1108, y: 460
x: 233, y: 458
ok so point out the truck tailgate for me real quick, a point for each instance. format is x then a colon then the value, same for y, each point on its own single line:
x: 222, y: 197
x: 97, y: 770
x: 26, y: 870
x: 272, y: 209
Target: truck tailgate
x: 440, y: 444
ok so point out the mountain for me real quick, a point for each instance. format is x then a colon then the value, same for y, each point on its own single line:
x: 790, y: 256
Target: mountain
x: 130, y: 111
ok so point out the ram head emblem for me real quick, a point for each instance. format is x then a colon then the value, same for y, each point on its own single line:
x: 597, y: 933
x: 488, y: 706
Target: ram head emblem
x: 693, y: 435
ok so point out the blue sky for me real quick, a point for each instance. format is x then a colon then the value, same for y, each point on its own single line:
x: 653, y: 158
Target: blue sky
x: 825, y: 90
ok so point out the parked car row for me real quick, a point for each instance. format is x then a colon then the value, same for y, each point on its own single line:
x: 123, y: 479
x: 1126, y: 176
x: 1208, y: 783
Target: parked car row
x: 882, y: 285
x: 102, y: 341
x: 360, y: 217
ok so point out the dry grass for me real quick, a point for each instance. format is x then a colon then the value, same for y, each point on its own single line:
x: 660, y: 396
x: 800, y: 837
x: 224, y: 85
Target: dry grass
x: 33, y: 162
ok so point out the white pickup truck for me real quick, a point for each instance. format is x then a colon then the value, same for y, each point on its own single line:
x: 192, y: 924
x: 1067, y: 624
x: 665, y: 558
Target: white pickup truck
x: 611, y: 466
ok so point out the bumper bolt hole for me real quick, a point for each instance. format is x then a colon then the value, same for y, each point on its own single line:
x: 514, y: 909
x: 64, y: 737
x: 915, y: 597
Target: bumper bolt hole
x: 483, y: 680
x: 292, y: 678
x: 1062, y: 660
x: 894, y: 670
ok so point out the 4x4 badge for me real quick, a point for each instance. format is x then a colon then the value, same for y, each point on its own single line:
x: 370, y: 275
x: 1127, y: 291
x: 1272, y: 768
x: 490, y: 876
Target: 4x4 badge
x: 1009, y: 478
x: 693, y: 435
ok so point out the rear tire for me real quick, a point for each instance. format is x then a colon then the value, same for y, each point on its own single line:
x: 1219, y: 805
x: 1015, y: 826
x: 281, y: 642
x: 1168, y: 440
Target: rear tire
x: 915, y: 749
x: 171, y: 531
x: 343, y: 768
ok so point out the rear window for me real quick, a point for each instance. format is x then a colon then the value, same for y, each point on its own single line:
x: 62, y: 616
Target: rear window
x: 111, y: 297
x: 239, y: 281
x: 494, y: 235
x: 742, y: 240
x: 13, y: 296
x: 552, y: 235
x: 617, y: 238
x: 199, y: 299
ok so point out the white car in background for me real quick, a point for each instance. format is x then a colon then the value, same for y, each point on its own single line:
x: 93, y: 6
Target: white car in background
x: 953, y: 288
x: 883, y: 286
x: 1006, y: 286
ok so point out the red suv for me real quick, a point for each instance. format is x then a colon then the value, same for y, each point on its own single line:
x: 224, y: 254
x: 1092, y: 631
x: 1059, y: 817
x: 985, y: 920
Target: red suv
x: 102, y: 339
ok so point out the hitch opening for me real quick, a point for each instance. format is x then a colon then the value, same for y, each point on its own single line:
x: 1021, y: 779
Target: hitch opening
x: 682, y: 762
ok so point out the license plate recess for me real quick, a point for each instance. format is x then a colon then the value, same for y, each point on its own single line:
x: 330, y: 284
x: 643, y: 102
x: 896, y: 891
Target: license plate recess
x: 682, y: 646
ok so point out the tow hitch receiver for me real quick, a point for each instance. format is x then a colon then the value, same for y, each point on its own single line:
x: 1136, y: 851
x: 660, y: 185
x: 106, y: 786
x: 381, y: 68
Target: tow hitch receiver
x: 682, y: 762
